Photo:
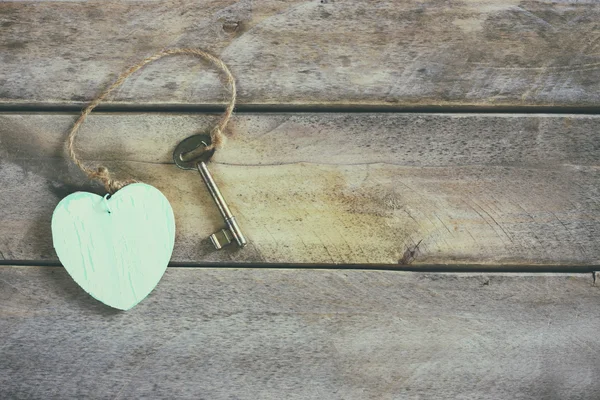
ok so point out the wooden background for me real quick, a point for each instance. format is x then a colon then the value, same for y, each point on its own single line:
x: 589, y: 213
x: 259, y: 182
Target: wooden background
x: 469, y: 128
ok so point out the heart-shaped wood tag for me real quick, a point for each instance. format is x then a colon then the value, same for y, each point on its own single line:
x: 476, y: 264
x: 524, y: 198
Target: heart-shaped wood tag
x: 116, y: 249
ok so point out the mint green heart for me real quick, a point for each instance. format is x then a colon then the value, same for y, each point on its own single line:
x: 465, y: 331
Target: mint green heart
x: 116, y: 249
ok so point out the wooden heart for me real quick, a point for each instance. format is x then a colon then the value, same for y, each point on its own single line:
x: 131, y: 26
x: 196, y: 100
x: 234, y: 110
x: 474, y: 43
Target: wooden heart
x: 116, y: 249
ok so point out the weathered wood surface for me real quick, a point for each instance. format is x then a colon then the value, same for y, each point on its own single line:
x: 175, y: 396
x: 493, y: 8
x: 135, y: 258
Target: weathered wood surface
x: 483, y: 52
x: 332, y: 188
x: 301, y: 334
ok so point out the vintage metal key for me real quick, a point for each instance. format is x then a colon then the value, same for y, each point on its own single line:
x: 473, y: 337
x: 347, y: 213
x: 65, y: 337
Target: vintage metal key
x: 189, y: 155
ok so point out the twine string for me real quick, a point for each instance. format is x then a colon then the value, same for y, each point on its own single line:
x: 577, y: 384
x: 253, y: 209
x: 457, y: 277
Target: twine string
x: 217, y: 137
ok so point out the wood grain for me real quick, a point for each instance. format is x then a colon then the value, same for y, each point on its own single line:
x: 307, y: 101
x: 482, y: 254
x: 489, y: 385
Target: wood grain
x: 482, y: 52
x: 260, y: 333
x: 332, y: 188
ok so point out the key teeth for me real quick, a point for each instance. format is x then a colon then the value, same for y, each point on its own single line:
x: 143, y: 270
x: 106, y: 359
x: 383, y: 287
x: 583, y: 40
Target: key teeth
x: 215, y: 242
x: 224, y: 240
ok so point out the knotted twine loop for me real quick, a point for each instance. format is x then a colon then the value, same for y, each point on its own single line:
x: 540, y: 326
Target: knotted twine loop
x: 216, y: 134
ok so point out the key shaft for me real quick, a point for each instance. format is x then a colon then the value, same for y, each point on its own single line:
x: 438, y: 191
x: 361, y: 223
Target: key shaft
x: 221, y: 238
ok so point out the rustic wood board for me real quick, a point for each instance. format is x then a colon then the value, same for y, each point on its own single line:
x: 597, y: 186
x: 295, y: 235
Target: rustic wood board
x: 332, y: 188
x: 302, y: 334
x: 482, y: 52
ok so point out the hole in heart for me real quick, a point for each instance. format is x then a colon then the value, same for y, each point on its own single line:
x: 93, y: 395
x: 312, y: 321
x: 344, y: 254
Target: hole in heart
x: 106, y: 198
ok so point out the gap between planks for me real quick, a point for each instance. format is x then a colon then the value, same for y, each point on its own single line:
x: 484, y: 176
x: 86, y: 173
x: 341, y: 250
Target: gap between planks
x: 179, y: 108
x: 514, y: 270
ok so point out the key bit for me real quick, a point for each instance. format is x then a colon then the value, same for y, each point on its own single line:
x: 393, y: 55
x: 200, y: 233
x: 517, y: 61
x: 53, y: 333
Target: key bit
x: 221, y: 238
x: 183, y: 158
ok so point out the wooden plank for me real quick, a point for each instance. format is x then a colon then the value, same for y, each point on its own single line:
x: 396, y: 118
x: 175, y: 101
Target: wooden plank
x: 332, y: 188
x: 482, y: 52
x: 258, y: 333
